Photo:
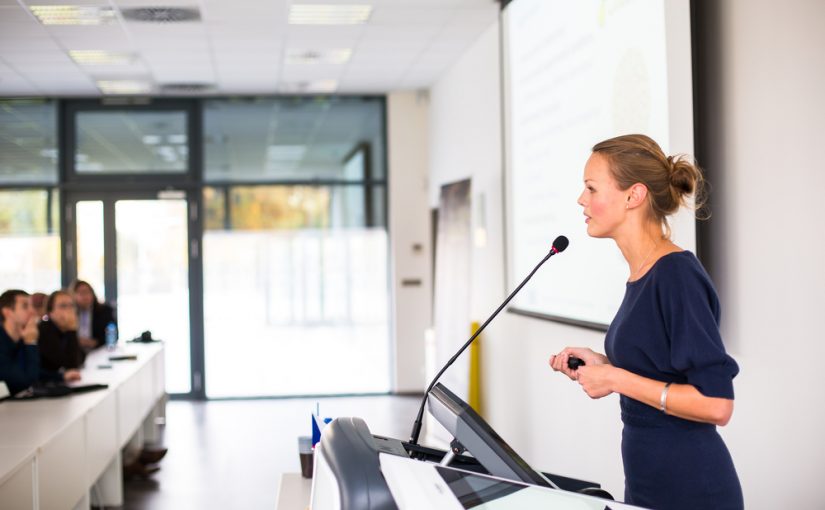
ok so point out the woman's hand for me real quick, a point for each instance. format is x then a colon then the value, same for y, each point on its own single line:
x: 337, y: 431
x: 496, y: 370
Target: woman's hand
x: 558, y: 362
x: 86, y: 343
x: 596, y: 380
x: 71, y: 375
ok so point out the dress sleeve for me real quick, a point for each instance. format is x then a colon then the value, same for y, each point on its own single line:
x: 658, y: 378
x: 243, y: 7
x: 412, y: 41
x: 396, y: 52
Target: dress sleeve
x: 690, y: 309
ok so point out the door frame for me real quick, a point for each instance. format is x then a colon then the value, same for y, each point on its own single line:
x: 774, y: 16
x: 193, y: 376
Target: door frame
x: 194, y: 228
x: 140, y: 186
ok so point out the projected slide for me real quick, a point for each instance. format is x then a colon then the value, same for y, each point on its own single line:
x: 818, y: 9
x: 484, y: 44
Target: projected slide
x: 577, y: 72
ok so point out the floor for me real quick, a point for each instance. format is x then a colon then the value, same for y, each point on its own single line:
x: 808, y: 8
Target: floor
x: 230, y: 454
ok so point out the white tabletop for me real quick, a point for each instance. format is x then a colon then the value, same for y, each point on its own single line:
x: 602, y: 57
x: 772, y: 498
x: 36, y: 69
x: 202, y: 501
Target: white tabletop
x: 294, y: 492
x: 12, y: 459
x: 33, y: 423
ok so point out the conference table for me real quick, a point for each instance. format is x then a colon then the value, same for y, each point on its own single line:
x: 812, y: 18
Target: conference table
x: 65, y: 453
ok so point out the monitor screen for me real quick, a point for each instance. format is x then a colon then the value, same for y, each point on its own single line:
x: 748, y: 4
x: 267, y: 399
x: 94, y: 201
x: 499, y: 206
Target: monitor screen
x: 479, y: 438
x: 486, y: 493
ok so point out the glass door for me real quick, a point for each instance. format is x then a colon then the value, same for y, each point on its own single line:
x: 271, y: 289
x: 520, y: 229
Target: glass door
x: 134, y: 251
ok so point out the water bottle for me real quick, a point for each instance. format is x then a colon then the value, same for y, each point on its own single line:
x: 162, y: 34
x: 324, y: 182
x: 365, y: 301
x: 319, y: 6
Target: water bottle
x: 111, y: 336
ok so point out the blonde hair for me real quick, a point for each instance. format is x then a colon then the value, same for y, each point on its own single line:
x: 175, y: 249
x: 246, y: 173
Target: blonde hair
x: 670, y: 180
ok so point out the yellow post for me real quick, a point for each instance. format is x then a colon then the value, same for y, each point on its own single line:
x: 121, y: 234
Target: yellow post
x: 474, y: 393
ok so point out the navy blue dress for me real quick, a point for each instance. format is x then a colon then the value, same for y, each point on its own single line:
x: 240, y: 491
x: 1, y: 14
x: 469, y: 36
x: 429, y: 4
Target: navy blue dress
x: 667, y: 329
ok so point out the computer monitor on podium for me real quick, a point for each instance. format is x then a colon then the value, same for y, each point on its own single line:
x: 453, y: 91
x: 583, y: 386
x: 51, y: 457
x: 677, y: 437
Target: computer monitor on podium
x: 474, y: 434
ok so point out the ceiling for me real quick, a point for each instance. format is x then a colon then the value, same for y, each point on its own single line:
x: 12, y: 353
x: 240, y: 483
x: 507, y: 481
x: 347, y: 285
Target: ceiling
x: 238, y: 47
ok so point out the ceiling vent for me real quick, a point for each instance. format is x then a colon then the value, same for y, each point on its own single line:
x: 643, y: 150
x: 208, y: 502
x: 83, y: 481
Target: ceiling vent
x: 187, y: 88
x: 162, y: 14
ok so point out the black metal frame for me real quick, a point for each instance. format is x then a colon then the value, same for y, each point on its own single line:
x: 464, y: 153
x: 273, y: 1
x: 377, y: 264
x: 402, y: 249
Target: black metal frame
x: 68, y: 140
x: 112, y: 187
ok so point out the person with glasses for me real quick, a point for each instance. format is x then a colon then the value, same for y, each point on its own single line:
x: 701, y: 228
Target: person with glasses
x: 60, y: 353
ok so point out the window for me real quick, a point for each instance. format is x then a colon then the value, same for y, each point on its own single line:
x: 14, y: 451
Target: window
x: 295, y: 250
x: 293, y: 139
x: 30, y: 254
x: 286, y: 282
x: 123, y: 142
x: 28, y: 142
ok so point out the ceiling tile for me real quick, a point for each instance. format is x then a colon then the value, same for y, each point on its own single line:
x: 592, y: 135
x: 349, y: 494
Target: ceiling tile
x: 37, y: 58
x: 13, y: 14
x: 341, y: 34
x: 272, y: 13
x: 394, y: 15
x: 9, y: 45
x: 116, y: 71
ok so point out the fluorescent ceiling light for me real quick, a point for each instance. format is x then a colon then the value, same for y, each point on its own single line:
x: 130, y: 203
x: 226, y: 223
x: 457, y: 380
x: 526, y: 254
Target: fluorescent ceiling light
x: 306, y: 87
x: 101, y: 57
x: 323, y: 86
x: 334, y: 56
x: 73, y: 14
x: 324, y: 14
x: 123, y: 86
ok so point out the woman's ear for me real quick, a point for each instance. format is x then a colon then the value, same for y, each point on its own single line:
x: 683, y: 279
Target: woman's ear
x: 637, y: 194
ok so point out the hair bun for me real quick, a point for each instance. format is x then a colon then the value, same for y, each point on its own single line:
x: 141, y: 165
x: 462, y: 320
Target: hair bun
x: 683, y: 175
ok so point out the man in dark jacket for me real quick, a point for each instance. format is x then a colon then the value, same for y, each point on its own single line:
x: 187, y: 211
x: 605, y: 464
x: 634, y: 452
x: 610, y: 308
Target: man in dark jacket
x: 19, y: 359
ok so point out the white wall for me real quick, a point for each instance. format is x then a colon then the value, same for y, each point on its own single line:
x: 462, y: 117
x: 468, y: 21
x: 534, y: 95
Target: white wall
x: 764, y: 127
x: 465, y: 142
x: 409, y: 227
x: 765, y: 116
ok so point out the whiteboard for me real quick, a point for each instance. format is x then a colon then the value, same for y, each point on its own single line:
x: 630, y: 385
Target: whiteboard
x: 575, y: 73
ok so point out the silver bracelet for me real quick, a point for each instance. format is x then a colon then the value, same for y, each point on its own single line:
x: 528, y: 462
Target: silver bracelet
x: 663, y: 398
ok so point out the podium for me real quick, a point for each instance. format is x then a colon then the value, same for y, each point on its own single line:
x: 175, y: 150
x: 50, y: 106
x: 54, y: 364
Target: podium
x: 355, y: 469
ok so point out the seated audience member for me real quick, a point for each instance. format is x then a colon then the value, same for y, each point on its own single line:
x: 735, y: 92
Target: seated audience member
x: 93, y: 316
x: 19, y: 359
x: 60, y: 354
x: 39, y: 304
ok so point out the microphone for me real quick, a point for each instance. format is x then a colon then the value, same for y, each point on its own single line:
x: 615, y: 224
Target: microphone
x: 559, y: 245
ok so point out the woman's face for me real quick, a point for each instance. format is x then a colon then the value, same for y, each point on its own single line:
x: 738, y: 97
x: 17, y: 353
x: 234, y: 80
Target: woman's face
x: 83, y: 297
x: 605, y: 205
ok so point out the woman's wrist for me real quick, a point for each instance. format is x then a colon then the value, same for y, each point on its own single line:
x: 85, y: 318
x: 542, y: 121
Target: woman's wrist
x: 616, y: 379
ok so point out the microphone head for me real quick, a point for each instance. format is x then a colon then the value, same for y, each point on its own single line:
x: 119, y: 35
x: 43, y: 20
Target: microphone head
x: 560, y: 244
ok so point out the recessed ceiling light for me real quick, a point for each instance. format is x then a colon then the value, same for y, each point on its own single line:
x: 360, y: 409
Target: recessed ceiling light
x: 73, y: 14
x: 123, y: 86
x: 186, y: 88
x: 308, y: 87
x: 333, y: 56
x: 101, y: 57
x: 325, y: 14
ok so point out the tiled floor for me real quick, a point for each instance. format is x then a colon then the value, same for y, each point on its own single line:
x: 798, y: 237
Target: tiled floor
x: 230, y: 454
